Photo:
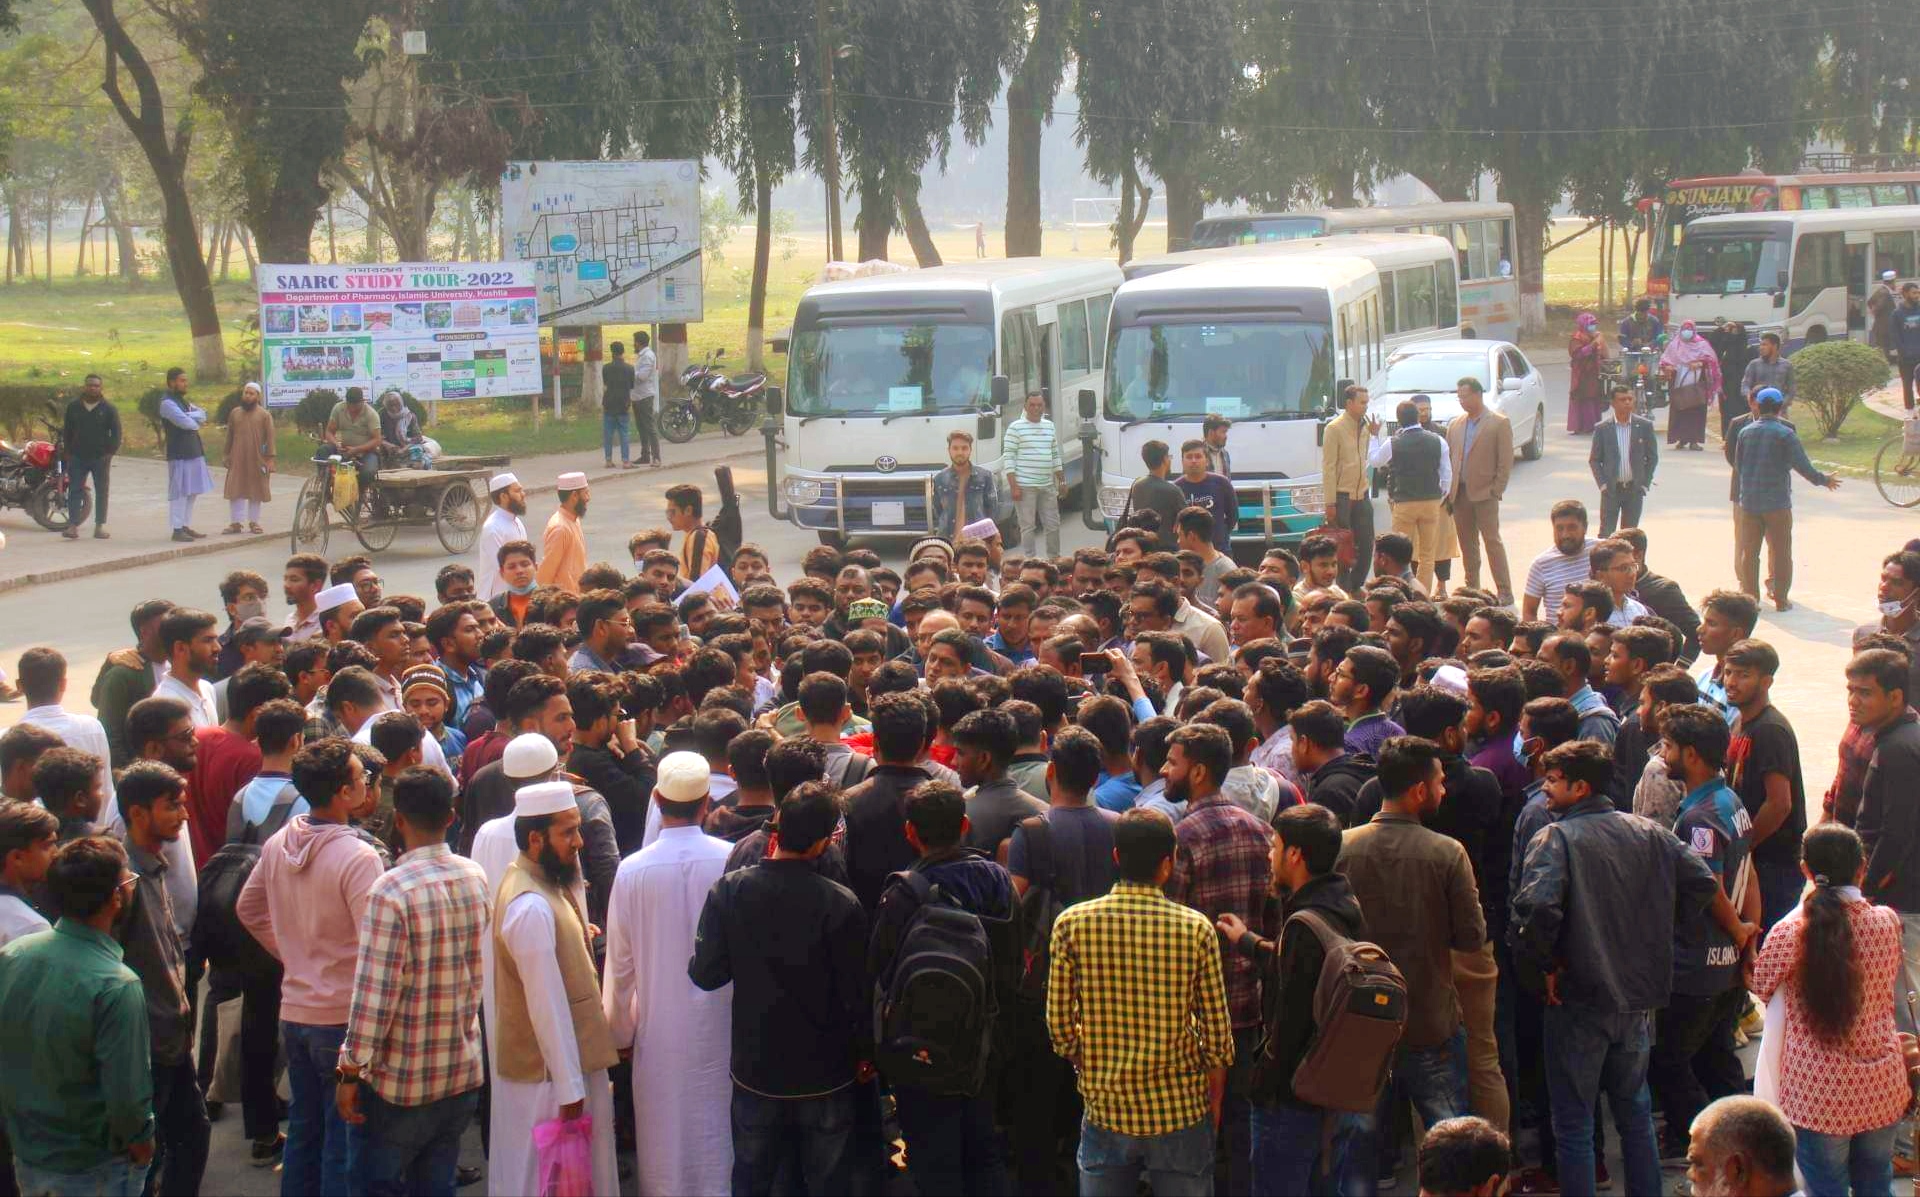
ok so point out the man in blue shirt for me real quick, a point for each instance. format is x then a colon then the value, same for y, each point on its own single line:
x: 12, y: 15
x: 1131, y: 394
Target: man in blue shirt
x: 1765, y: 454
x: 1208, y: 491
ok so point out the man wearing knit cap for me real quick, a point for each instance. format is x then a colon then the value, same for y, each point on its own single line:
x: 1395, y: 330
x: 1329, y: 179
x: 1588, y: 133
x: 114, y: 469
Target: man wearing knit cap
x: 551, y: 1044
x: 563, y: 548
x: 503, y: 527
x: 336, y: 608
x: 678, y: 1034
x: 426, y: 695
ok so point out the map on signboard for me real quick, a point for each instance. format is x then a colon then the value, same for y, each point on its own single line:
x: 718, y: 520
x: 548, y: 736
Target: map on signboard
x: 611, y: 242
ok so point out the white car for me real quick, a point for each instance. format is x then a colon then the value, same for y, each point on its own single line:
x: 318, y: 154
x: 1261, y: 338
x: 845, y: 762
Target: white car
x: 1434, y: 368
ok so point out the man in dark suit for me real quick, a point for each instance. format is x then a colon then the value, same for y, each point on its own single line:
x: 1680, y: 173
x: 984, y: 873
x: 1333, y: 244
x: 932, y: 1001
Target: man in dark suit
x: 1624, y: 456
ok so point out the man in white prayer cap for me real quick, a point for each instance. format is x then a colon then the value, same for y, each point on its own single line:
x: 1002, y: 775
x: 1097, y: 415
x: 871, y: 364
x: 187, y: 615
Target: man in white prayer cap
x: 503, y: 526
x: 563, y: 547
x: 551, y: 1047
x: 679, y: 1034
x: 336, y: 608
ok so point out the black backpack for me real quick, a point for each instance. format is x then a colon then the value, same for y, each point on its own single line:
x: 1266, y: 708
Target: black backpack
x: 1038, y: 910
x: 935, y: 1007
x: 218, y: 935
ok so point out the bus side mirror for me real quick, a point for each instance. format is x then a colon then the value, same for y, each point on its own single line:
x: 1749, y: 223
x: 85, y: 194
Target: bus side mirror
x: 998, y: 389
x: 775, y: 400
x: 1320, y: 434
x: 987, y: 426
x: 1087, y: 403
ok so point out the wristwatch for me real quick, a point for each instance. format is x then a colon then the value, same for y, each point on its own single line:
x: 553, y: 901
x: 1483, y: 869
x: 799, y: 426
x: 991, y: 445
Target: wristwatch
x: 342, y: 1077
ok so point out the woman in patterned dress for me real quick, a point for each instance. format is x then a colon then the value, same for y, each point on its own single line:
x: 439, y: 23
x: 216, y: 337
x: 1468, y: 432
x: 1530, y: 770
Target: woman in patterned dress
x: 1842, y: 1075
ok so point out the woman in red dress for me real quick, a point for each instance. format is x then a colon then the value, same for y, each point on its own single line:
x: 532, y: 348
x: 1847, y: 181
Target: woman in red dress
x: 1586, y: 401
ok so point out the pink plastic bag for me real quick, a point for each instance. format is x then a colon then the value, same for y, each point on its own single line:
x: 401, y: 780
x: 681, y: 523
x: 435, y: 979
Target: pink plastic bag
x: 566, y: 1156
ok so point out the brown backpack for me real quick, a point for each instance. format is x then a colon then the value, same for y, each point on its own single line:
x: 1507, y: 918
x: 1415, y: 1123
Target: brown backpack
x: 1359, y: 1014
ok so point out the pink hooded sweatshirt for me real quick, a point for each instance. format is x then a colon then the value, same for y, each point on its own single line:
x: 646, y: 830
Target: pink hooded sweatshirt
x: 303, y: 903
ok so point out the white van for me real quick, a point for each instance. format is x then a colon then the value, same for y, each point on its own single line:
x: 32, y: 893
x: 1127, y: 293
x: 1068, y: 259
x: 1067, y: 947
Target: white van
x: 881, y: 369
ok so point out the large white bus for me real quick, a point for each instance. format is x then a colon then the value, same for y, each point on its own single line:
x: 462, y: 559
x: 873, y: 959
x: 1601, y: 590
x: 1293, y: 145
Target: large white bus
x: 1803, y: 275
x: 1481, y: 236
x: 881, y: 369
x: 1263, y: 339
x: 1419, y: 279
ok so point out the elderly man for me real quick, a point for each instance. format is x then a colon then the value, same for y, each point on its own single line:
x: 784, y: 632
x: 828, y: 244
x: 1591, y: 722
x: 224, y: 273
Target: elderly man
x: 1740, y: 1147
x: 563, y: 547
x: 503, y: 527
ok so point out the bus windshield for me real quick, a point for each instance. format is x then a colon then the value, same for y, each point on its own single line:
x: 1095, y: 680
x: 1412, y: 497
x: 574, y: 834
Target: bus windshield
x: 887, y: 369
x: 1244, y: 371
x: 1730, y: 264
x: 1254, y: 230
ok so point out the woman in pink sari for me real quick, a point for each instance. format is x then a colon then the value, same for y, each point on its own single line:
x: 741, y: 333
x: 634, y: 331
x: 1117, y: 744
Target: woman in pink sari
x: 1692, y: 371
x: 1586, y: 399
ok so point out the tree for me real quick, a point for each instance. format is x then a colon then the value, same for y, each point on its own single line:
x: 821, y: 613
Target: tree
x: 166, y: 151
x: 761, y: 137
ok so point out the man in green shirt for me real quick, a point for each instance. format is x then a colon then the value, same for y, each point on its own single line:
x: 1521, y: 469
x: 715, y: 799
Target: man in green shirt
x: 78, y: 1027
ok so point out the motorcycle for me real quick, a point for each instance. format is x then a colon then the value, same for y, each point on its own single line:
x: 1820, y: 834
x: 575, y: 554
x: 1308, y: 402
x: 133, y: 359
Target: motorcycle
x: 711, y: 395
x: 34, y: 477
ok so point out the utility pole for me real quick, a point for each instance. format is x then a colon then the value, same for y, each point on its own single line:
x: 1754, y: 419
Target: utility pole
x: 831, y: 149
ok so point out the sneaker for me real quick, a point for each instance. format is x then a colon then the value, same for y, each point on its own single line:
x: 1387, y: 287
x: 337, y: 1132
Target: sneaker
x: 101, y: 534
x: 193, y: 534
x: 183, y: 536
x: 465, y: 1175
x: 1534, y: 1182
x: 1754, y: 1020
x: 266, y: 1152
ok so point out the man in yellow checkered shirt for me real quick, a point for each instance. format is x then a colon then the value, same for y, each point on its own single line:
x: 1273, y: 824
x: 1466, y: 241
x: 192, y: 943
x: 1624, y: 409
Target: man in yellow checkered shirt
x: 1136, y: 1003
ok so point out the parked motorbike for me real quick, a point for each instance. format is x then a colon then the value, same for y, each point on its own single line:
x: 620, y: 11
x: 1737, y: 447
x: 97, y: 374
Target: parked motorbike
x: 34, y: 477
x: 734, y: 403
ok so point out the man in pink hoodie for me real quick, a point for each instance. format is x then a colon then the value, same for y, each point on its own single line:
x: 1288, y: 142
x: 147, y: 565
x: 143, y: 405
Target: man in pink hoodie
x: 303, y: 902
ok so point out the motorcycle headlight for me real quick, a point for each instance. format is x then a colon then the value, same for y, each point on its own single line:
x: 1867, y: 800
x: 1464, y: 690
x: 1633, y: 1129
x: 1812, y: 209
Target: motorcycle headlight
x: 802, y: 492
x: 1113, y: 501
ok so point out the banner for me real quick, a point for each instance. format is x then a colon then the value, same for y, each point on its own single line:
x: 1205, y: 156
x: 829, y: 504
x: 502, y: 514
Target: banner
x: 452, y: 330
x: 611, y: 242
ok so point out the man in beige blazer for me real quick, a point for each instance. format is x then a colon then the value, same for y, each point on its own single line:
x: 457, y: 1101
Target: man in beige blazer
x: 1480, y: 445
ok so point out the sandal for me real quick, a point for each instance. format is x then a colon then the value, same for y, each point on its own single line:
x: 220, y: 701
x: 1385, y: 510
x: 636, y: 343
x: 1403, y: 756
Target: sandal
x: 256, y: 529
x: 232, y: 530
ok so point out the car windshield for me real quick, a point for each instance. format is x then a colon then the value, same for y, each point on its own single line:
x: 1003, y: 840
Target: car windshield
x: 890, y: 369
x: 1729, y: 264
x: 1434, y: 373
x: 1243, y: 371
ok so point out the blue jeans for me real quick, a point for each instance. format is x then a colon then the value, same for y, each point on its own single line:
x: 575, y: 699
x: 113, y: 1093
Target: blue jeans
x: 78, y: 471
x: 322, y: 1151
x: 1862, y: 1163
x: 1287, y: 1156
x: 611, y: 423
x: 1178, y: 1163
x: 952, y: 1148
x: 1589, y: 1053
x: 411, y: 1151
x: 118, y: 1177
x: 1434, y: 1080
x: 768, y: 1132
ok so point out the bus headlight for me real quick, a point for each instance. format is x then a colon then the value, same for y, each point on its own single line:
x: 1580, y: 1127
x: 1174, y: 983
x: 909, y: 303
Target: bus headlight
x: 802, y: 492
x: 1113, y: 501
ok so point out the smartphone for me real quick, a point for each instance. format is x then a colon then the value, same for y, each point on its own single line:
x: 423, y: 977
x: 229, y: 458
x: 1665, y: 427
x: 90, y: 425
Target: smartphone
x: 1095, y: 662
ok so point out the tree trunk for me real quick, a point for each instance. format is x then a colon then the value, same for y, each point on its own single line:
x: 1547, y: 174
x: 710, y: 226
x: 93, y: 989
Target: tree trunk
x: 122, y: 233
x: 1529, y: 231
x: 874, y: 224
x: 907, y: 195
x: 50, y: 215
x: 1185, y: 207
x: 1135, y: 198
x: 1024, y: 119
x: 590, y: 380
x: 333, y: 247
x: 86, y: 227
x: 762, y: 262
x: 226, y: 248
x: 13, y: 235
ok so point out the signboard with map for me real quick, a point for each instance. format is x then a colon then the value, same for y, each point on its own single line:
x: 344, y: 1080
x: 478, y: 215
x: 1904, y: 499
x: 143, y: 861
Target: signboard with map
x: 463, y: 330
x: 610, y: 242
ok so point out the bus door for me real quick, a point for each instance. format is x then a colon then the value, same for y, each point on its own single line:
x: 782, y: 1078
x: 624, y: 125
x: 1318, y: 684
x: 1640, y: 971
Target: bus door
x: 1060, y: 407
x: 1859, y: 282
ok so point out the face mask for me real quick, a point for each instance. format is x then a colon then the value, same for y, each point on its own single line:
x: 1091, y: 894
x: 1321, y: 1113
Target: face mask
x: 250, y: 609
x: 1686, y: 334
x: 1893, y: 607
x: 527, y: 589
x: 1520, y: 752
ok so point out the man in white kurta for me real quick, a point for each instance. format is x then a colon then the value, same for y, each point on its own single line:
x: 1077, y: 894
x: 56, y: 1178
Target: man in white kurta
x: 527, y: 929
x: 503, y: 526
x: 680, y: 1035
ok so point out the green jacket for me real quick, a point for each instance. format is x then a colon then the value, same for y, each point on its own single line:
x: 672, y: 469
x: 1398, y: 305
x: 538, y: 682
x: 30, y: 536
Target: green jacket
x: 76, y: 1024
x: 115, y: 690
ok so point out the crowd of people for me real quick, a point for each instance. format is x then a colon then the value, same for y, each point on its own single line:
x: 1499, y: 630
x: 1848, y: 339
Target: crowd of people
x: 1057, y: 873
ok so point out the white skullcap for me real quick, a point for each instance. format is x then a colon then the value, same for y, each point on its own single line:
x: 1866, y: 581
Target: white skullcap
x: 335, y: 596
x: 1450, y: 678
x: 501, y: 481
x: 981, y: 529
x: 543, y: 798
x: 1888, y: 276
x: 529, y: 755
x: 683, y: 777
x: 572, y: 480
x: 254, y: 386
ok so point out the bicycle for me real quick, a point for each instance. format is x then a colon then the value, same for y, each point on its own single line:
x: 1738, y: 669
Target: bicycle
x: 1896, y: 472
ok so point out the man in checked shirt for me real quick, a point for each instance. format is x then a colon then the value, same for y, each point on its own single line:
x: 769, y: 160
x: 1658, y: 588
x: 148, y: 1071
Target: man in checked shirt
x: 411, y: 1058
x: 1135, y: 1003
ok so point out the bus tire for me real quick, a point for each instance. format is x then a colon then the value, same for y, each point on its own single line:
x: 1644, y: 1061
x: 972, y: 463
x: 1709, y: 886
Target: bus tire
x: 1816, y: 335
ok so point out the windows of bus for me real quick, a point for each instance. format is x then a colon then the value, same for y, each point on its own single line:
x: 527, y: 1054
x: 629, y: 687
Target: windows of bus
x: 1346, y: 346
x: 1097, y: 310
x: 1446, y: 297
x: 1391, y: 318
x: 1893, y: 251
x: 1819, y: 262
x: 1857, y: 195
x: 1496, y: 238
x: 1415, y: 297
x: 1816, y: 199
x: 1073, y: 338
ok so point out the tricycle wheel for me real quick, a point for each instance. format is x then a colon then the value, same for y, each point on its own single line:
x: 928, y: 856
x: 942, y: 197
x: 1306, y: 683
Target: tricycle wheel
x: 375, y: 532
x: 310, y: 521
x: 458, y: 518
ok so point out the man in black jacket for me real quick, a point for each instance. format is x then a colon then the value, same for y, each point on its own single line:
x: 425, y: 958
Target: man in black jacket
x: 1332, y: 775
x: 1624, y: 455
x: 877, y: 844
x: 1663, y: 596
x: 1878, y: 703
x: 608, y: 756
x: 793, y: 945
x: 1295, y: 1148
x: 91, y: 436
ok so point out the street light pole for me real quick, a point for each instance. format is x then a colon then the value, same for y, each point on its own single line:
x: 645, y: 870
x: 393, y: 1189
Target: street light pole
x: 830, y: 154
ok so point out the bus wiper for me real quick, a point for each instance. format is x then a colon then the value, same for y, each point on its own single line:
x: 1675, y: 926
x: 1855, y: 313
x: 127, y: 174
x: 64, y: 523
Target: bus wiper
x: 1279, y: 415
x: 935, y: 410
x: 1145, y: 420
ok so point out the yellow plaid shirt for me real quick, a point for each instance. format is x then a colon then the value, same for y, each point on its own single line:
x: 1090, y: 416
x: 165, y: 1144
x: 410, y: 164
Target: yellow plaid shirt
x: 1136, y: 1002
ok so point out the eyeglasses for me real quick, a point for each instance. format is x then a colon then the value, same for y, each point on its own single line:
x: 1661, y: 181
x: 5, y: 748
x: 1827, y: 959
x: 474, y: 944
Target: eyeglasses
x: 184, y: 736
x: 126, y: 883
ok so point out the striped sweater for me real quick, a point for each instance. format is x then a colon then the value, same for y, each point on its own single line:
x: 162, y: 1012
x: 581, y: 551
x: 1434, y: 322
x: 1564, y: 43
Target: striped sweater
x: 1031, y: 452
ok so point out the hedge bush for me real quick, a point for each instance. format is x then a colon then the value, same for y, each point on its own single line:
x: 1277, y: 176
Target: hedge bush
x: 1831, y: 377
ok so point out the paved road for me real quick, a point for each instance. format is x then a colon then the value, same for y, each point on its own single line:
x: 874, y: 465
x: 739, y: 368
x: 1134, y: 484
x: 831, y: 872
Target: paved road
x: 1840, y: 537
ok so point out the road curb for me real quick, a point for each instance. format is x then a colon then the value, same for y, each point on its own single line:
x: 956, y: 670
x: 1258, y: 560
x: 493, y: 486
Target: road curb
x: 220, y: 544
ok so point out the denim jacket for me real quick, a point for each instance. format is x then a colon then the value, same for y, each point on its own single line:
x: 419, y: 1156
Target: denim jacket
x: 981, y: 499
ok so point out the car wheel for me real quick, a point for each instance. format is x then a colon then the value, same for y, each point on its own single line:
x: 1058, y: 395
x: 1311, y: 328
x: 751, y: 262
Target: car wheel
x: 1536, y: 445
